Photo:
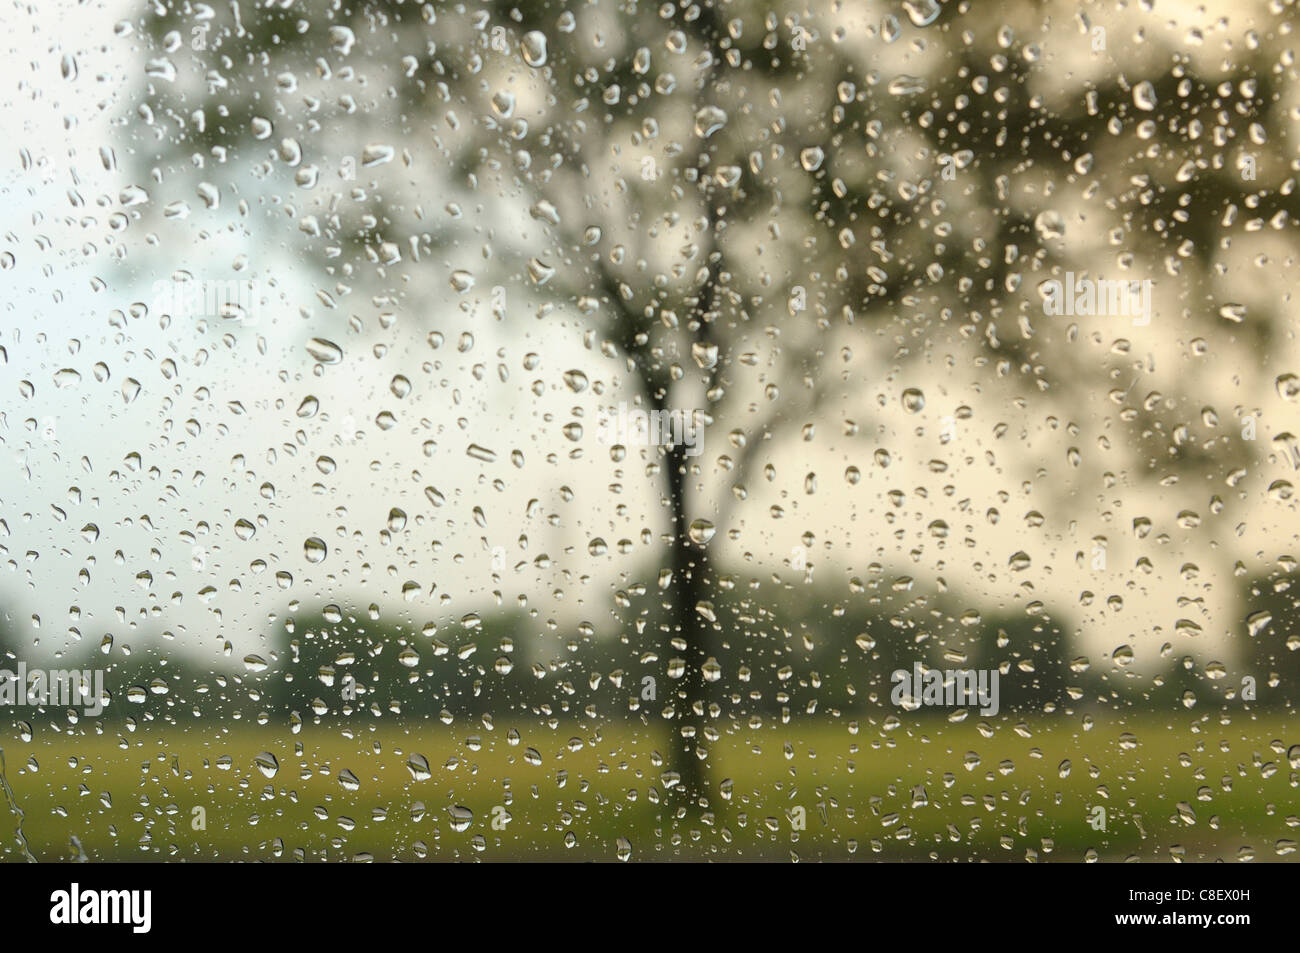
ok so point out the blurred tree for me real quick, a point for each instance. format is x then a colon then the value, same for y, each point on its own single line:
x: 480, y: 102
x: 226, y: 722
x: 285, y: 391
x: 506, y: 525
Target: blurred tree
x: 737, y: 202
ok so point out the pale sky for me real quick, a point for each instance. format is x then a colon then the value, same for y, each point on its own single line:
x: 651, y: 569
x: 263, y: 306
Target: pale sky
x: 202, y: 466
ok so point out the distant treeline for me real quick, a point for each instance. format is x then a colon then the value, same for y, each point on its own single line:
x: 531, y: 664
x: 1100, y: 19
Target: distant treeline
x: 780, y: 651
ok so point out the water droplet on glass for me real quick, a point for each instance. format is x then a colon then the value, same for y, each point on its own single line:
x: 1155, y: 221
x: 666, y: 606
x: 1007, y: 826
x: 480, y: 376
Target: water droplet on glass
x: 922, y: 12
x: 533, y: 48
x: 708, y: 120
x: 327, y: 352
x: 701, y: 531
x: 1144, y: 96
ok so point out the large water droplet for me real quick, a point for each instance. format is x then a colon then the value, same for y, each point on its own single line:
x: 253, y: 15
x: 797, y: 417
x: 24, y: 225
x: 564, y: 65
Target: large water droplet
x: 922, y: 12
x: 327, y: 352
x: 708, y: 120
x: 533, y: 48
x: 701, y: 531
x: 1144, y: 96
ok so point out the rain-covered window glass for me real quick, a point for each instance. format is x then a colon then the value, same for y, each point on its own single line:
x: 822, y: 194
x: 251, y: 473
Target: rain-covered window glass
x: 604, y: 430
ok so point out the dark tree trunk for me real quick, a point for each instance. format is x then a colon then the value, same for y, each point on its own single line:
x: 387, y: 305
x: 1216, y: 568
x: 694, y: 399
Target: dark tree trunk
x: 689, y: 695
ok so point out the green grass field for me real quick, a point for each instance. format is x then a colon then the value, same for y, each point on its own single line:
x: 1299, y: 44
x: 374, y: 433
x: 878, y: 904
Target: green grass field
x: 1191, y: 786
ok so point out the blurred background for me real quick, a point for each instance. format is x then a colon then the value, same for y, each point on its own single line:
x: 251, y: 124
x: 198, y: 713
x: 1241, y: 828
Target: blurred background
x: 314, y: 311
